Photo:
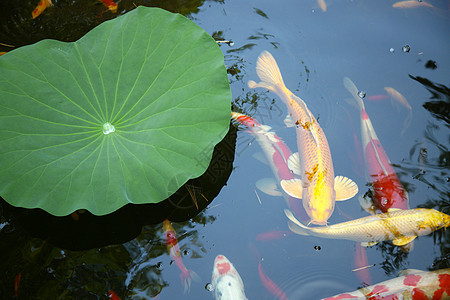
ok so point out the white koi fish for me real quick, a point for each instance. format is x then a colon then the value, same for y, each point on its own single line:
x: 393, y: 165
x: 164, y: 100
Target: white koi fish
x: 411, y: 284
x: 318, y: 188
x: 400, y: 226
x: 226, y: 282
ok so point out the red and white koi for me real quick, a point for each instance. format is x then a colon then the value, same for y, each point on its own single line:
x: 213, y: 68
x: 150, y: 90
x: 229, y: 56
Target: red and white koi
x: 411, y: 284
x: 318, y: 188
x: 388, y: 192
x: 226, y: 282
x: 170, y: 238
x: 277, y: 154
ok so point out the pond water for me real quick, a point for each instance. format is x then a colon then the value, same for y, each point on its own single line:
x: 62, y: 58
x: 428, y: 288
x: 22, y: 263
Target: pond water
x: 315, y: 50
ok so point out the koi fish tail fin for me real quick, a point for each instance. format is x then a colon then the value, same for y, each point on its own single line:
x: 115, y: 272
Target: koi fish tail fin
x: 186, y: 279
x: 351, y: 87
x: 269, y: 73
x: 294, y: 225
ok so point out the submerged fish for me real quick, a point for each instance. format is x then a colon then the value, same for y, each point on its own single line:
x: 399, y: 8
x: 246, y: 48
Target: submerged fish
x: 277, y: 154
x: 411, y: 4
x: 170, y: 238
x: 318, y: 188
x: 43, y: 4
x: 226, y: 282
x: 388, y: 192
x: 411, y: 284
x: 397, y: 98
x: 400, y: 226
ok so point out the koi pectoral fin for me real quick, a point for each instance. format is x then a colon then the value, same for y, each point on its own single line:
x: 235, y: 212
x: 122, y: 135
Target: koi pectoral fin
x: 293, y: 187
x: 268, y: 186
x: 294, y: 163
x: 403, y: 240
x: 345, y: 188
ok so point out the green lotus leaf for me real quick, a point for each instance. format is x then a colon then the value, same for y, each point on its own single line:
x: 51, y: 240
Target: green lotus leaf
x: 126, y: 114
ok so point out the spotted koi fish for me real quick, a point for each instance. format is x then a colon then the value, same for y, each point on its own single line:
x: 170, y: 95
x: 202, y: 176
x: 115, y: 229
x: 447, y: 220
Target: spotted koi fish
x: 170, y: 238
x: 400, y: 226
x: 388, y: 192
x: 317, y: 188
x: 411, y: 284
x: 277, y: 153
x: 226, y: 282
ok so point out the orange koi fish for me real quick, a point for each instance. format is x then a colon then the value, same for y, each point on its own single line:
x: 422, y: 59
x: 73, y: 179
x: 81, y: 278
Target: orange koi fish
x: 170, y: 238
x: 361, y: 262
x: 3, y: 52
x: 400, y: 99
x: 387, y: 189
x: 411, y: 4
x: 111, y: 5
x: 411, y: 284
x: 318, y: 188
x: 43, y: 4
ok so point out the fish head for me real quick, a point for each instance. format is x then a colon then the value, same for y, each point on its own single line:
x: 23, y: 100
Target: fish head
x: 433, y: 219
x: 319, y: 203
x: 227, y: 283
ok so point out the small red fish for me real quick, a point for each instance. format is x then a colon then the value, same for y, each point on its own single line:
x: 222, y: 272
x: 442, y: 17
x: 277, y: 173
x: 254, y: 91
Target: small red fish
x: 272, y: 235
x: 361, y: 262
x: 170, y: 238
x: 111, y: 5
x: 43, y: 4
x: 16, y: 284
x: 268, y: 283
x: 113, y: 296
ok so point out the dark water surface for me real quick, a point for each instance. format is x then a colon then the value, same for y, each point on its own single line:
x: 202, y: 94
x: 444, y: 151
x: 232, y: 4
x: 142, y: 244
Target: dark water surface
x: 315, y: 50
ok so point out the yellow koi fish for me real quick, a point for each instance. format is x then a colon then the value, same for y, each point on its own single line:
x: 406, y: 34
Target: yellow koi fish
x: 318, y: 188
x: 400, y: 226
x: 411, y: 4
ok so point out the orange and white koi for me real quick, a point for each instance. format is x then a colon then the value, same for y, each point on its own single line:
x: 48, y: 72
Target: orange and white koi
x: 170, y: 238
x: 277, y: 154
x: 226, y: 282
x: 387, y: 189
x: 43, y: 4
x: 400, y: 226
x: 111, y: 5
x: 400, y: 99
x: 411, y: 284
x: 411, y: 4
x: 318, y: 188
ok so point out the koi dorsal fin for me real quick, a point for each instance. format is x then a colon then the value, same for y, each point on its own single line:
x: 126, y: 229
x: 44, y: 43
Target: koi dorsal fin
x: 345, y: 188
